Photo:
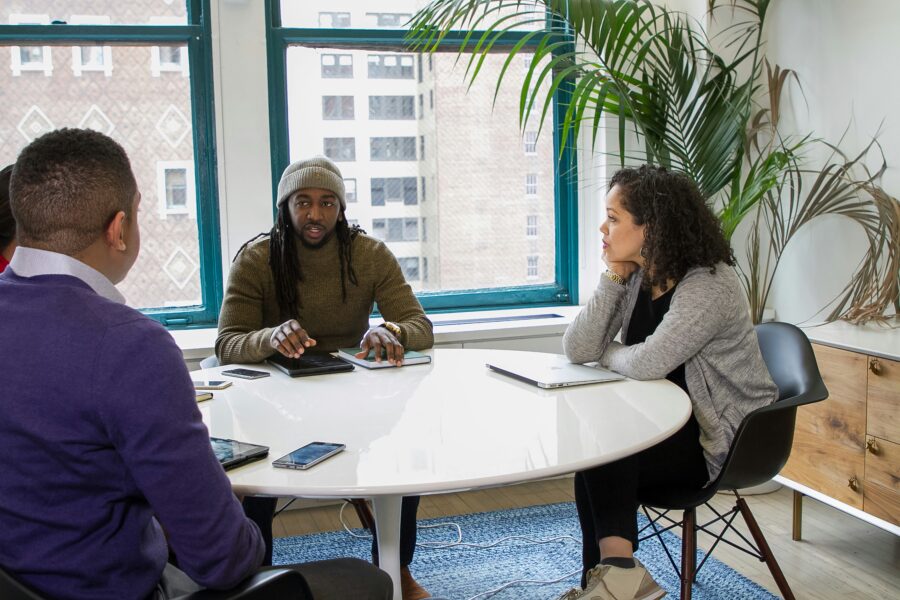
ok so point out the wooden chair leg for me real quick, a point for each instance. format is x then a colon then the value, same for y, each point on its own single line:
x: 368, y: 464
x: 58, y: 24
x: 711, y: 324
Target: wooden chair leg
x: 688, y: 552
x: 797, y: 530
x: 764, y: 549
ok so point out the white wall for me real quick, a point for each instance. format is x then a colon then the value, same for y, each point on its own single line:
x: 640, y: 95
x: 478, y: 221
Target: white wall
x: 846, y: 55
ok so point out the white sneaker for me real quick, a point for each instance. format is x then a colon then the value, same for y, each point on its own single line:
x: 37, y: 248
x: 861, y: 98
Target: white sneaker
x: 606, y: 582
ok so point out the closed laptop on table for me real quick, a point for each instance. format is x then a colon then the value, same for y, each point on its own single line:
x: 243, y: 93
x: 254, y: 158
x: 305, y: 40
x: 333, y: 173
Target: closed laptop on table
x: 550, y: 370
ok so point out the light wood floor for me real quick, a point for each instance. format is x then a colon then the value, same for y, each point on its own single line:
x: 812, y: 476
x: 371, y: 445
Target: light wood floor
x: 840, y: 557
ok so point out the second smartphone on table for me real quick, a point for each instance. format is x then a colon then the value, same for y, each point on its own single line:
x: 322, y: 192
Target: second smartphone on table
x: 309, y: 455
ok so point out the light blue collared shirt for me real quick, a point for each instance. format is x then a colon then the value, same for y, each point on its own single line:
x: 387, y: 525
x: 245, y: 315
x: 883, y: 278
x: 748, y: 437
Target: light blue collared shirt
x: 30, y: 262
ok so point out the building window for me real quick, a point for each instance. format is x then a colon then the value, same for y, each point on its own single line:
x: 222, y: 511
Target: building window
x: 531, y: 186
x: 340, y: 149
x: 334, y: 20
x: 91, y: 58
x: 531, y: 271
x: 168, y: 58
x: 388, y: 19
x: 350, y: 190
x: 337, y: 66
x: 424, y: 268
x: 419, y: 61
x: 410, y: 267
x: 421, y: 147
x: 391, y: 107
x: 424, y: 195
x: 390, y: 66
x: 30, y: 58
x: 337, y: 107
x: 175, y: 188
x: 424, y: 233
x: 392, y: 148
x: 531, y: 142
x: 405, y: 229
x: 394, y: 189
x: 531, y: 226
x: 421, y: 106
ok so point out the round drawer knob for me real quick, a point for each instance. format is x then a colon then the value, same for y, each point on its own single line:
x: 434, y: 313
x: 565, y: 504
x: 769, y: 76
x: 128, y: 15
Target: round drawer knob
x: 875, y: 366
x: 872, y: 446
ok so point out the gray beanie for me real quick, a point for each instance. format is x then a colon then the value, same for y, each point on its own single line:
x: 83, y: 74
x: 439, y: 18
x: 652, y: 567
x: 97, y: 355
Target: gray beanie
x: 316, y: 172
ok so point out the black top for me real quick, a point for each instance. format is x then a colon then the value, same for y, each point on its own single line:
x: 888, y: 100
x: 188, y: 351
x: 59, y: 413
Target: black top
x: 645, y: 318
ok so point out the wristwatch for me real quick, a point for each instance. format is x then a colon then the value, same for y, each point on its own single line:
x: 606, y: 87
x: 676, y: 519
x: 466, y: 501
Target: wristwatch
x: 393, y: 328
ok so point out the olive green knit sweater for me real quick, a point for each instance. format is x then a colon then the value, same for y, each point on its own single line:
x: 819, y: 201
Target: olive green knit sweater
x: 250, y: 309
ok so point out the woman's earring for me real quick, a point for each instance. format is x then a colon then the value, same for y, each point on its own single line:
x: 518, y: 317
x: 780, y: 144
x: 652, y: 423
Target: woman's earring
x: 643, y: 252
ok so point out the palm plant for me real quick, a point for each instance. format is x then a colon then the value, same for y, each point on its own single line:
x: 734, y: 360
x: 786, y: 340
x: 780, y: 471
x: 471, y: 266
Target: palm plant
x: 690, y: 108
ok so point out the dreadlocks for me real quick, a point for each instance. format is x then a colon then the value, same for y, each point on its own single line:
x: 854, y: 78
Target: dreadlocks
x: 285, y: 265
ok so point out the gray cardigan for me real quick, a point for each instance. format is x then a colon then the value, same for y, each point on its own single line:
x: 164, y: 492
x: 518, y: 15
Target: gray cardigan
x: 707, y: 328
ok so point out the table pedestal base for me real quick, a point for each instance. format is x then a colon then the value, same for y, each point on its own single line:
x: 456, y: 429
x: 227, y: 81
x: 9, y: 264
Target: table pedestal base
x: 387, y: 525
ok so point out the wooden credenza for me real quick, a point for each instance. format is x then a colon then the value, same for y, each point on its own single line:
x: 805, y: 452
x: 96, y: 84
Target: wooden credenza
x: 846, y: 449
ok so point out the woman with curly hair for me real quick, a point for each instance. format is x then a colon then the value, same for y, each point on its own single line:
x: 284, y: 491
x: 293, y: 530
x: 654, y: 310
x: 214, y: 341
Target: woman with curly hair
x: 671, y: 292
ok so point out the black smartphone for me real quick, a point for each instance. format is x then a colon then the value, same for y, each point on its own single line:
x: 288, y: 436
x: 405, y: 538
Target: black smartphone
x: 246, y: 373
x: 309, y: 455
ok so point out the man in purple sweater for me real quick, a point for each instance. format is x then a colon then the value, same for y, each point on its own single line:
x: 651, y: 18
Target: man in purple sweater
x: 103, y: 446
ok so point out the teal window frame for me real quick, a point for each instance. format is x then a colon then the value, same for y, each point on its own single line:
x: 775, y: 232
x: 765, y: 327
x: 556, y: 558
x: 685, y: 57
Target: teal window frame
x: 196, y: 34
x: 564, y: 290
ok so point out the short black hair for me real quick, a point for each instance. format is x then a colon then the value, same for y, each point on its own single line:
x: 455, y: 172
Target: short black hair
x: 7, y: 222
x: 66, y: 187
x: 681, y: 232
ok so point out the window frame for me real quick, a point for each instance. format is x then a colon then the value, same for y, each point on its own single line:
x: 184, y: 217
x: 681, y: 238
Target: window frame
x: 564, y: 289
x: 196, y: 35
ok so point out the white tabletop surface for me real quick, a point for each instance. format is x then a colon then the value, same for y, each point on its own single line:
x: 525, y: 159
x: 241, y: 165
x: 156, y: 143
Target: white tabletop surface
x: 444, y: 426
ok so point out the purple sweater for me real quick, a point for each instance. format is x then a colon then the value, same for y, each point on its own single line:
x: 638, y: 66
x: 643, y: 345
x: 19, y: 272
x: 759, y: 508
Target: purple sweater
x: 99, y: 434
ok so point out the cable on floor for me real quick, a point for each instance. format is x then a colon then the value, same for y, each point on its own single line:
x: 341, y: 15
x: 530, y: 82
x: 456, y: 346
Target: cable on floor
x: 459, y: 542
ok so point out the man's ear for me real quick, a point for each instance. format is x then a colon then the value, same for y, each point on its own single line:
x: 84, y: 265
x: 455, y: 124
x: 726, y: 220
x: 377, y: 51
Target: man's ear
x: 115, y: 232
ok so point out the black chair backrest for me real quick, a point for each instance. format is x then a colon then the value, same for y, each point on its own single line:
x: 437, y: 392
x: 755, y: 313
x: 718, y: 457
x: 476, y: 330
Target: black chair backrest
x: 11, y: 589
x: 762, y: 444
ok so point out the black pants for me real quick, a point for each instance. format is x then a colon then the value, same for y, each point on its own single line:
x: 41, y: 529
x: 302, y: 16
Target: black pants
x: 607, y: 496
x: 260, y: 510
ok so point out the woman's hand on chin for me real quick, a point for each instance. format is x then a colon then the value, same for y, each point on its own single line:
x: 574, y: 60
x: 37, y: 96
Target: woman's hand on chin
x: 623, y: 269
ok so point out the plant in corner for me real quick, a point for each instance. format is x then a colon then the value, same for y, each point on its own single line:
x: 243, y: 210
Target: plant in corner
x: 683, y: 104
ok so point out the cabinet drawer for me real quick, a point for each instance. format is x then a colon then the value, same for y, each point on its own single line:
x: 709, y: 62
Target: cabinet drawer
x: 829, y: 440
x: 884, y: 399
x: 882, y: 503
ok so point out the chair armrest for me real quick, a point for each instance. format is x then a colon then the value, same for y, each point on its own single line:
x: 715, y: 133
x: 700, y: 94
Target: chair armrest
x: 271, y: 584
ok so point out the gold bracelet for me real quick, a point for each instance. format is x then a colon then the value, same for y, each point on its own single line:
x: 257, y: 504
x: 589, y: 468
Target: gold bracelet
x: 393, y: 328
x: 614, y: 277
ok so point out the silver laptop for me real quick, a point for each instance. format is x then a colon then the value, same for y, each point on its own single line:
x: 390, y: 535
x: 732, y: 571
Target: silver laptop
x: 550, y: 370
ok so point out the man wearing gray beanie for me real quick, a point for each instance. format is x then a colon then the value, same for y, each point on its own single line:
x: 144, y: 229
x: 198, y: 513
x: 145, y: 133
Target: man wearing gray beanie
x: 309, y: 285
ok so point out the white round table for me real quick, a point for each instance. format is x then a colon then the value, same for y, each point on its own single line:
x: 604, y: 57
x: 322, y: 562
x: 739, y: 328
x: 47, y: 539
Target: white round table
x: 446, y: 426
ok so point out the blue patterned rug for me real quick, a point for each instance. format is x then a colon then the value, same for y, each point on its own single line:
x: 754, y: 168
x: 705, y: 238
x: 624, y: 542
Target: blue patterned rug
x: 464, y: 572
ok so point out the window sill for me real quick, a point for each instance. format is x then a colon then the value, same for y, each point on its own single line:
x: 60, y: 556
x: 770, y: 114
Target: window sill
x: 473, y: 326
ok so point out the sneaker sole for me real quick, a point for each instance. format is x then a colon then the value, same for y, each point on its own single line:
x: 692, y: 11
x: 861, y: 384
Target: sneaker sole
x: 655, y: 595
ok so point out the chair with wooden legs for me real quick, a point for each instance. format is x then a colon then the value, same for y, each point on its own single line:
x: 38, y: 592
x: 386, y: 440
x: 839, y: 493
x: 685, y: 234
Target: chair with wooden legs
x: 761, y: 447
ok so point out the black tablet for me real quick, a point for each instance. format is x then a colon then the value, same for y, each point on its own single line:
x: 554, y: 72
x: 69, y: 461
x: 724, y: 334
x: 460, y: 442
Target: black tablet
x: 309, y: 364
x: 232, y: 453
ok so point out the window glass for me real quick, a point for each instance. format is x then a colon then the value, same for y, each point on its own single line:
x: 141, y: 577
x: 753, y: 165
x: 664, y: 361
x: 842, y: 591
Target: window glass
x: 340, y: 149
x: 472, y: 177
x: 410, y: 266
x: 390, y: 66
x: 337, y: 66
x: 350, y: 190
x: 337, y: 107
x: 392, y: 107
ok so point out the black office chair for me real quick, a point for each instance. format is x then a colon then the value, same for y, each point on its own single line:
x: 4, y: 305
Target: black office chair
x: 272, y: 584
x: 761, y: 447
